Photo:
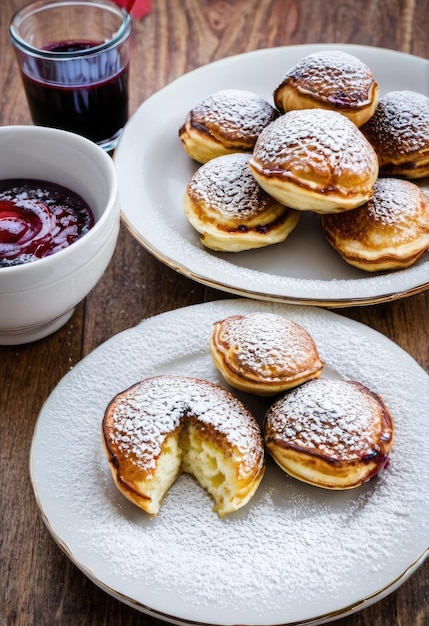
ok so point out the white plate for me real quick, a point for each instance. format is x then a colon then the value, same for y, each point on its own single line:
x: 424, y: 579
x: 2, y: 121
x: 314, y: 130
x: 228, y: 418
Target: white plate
x: 295, y: 553
x: 154, y: 170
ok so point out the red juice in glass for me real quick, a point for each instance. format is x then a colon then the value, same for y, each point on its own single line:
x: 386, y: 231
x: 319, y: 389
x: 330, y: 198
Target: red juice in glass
x: 74, y: 63
x: 73, y: 100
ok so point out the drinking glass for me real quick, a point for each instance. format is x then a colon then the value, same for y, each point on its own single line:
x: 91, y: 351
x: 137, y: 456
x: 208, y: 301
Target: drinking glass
x: 74, y: 58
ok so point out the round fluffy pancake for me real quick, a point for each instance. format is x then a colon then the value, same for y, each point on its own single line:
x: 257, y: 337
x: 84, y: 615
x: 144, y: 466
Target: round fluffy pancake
x: 399, y: 133
x: 264, y: 353
x: 333, y: 434
x: 226, y: 122
x: 330, y: 79
x: 315, y: 160
x: 165, y: 425
x: 231, y: 211
x: 390, y: 231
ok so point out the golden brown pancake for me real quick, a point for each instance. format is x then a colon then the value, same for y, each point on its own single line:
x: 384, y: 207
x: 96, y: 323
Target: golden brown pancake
x: 166, y: 425
x: 390, y: 231
x: 399, y: 133
x: 264, y: 353
x: 333, y: 80
x: 225, y: 204
x: 226, y: 122
x: 315, y: 160
x: 334, y: 434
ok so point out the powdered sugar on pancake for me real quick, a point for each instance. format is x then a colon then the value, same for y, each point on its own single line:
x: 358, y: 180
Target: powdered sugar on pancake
x: 239, y: 113
x: 226, y: 185
x: 267, y: 344
x: 332, y: 417
x: 146, y: 414
x: 397, y: 215
x: 333, y: 75
x: 399, y: 208
x: 394, y: 202
x: 400, y: 124
x: 316, y: 145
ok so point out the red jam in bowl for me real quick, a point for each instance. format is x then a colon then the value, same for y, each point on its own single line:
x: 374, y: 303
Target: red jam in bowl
x: 39, y: 218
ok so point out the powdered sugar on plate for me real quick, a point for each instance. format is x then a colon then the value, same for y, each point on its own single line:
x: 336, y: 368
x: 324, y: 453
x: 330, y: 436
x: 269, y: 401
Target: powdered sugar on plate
x: 294, y: 552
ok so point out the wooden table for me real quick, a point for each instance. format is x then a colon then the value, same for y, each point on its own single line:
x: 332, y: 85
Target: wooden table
x: 40, y: 586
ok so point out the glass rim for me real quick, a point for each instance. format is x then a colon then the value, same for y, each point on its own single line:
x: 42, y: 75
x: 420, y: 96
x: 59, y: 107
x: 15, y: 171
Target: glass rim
x: 36, y: 6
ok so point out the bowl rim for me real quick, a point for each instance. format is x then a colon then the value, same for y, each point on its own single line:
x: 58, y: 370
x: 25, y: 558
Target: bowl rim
x: 112, y: 203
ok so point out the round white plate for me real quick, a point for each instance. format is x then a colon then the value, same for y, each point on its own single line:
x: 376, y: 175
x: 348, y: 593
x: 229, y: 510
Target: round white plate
x: 154, y: 170
x: 295, y: 553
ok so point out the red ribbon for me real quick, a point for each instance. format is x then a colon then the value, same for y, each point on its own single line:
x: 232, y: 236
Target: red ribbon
x: 137, y: 8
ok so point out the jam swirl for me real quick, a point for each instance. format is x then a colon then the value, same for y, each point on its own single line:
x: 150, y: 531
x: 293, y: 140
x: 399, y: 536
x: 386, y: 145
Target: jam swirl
x: 39, y: 218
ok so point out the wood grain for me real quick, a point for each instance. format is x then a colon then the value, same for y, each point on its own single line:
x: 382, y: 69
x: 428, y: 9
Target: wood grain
x: 40, y: 585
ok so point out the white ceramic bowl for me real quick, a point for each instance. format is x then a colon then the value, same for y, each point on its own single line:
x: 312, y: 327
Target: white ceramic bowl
x: 39, y: 297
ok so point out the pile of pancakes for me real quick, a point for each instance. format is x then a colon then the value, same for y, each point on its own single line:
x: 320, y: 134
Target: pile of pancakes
x: 329, y: 144
x: 330, y: 433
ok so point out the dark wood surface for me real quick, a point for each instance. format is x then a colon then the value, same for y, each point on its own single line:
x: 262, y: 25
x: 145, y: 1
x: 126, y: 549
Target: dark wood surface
x: 39, y: 585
